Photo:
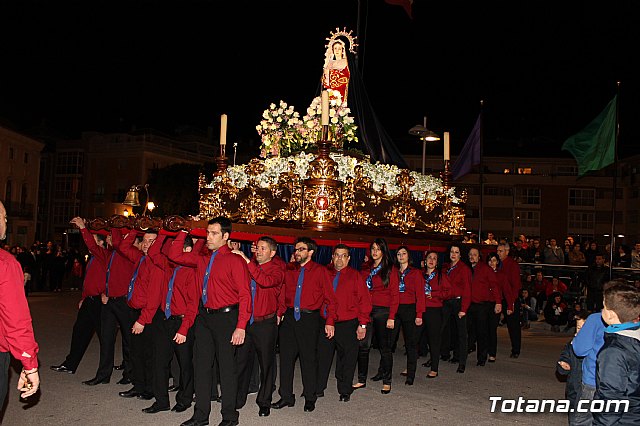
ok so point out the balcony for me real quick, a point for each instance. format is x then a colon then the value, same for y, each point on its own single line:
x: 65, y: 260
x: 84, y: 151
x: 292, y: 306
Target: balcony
x: 22, y: 210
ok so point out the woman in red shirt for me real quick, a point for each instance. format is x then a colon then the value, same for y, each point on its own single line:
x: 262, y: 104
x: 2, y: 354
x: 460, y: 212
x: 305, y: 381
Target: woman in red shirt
x: 435, y: 290
x: 383, y: 283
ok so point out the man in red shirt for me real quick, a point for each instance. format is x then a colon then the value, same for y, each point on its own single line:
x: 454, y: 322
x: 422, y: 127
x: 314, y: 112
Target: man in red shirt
x: 352, y: 318
x: 220, y: 326
x: 267, y: 275
x: 510, y: 271
x: 486, y: 301
x: 175, y: 302
x: 90, y: 305
x: 306, y: 289
x: 144, y: 276
x: 455, y: 308
x: 16, y: 331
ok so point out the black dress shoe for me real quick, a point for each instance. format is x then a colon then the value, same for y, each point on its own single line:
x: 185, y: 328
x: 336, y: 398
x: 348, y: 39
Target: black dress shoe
x: 173, y: 388
x: 409, y: 381
x: 481, y: 363
x: 364, y: 385
x: 215, y: 399
x: 124, y: 381
x: 118, y: 367
x: 179, y: 408
x: 154, y: 409
x: 131, y: 393
x: 229, y: 423
x: 445, y: 357
x: 62, y: 369
x: 377, y: 377
x: 427, y: 364
x: 345, y: 397
x: 385, y: 391
x: 320, y: 394
x: 460, y: 369
x: 454, y: 360
x: 514, y: 355
x: 264, y: 411
x: 96, y: 381
x: 194, y: 422
x: 309, y: 406
x: 145, y: 396
x: 492, y: 359
x: 282, y: 403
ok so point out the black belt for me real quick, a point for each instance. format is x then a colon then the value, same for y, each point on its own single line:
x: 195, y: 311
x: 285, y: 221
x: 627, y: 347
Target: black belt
x: 306, y: 311
x: 174, y: 317
x: 222, y: 310
x: 265, y: 317
x: 94, y: 297
x: 117, y: 298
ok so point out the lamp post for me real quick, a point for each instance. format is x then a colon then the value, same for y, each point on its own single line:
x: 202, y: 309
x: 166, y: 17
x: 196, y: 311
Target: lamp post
x: 425, y: 135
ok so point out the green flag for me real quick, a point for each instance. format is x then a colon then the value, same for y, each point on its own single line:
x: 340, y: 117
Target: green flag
x: 594, y: 147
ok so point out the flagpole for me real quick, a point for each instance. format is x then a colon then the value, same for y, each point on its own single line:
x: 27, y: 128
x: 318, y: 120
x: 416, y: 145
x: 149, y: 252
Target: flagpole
x: 615, y: 182
x: 481, y: 173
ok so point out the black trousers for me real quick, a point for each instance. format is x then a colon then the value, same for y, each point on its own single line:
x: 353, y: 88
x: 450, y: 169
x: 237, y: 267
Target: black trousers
x: 345, y: 342
x: 299, y: 338
x: 513, y: 325
x: 162, y: 333
x: 115, y: 313
x: 451, y: 323
x: 141, y: 355
x: 5, y: 359
x: 494, y: 320
x: 260, y: 344
x: 379, y: 317
x: 406, y: 319
x: 213, y: 333
x: 480, y: 316
x: 432, y: 324
x: 87, y: 323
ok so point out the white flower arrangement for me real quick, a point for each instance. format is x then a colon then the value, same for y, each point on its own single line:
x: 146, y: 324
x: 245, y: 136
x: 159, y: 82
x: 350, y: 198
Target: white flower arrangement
x: 425, y: 186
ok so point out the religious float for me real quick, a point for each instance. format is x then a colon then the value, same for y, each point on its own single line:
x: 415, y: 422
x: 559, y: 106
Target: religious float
x: 310, y: 180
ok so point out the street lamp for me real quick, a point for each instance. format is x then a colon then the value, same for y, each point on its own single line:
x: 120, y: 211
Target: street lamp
x: 425, y: 135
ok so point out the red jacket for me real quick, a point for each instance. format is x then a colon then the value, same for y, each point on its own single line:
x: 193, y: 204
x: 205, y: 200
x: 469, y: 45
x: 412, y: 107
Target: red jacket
x: 381, y: 296
x: 484, y: 285
x: 510, y: 274
x: 549, y: 290
x: 229, y: 280
x: 440, y: 290
x: 16, y: 330
x: 352, y: 295
x: 460, y: 279
x: 413, y: 290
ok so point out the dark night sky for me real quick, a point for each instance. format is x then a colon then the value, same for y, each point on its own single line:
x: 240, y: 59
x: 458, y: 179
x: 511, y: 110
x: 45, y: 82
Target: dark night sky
x: 545, y: 69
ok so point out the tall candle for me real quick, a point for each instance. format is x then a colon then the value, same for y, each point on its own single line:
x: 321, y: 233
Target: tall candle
x: 223, y: 129
x: 325, y: 108
x: 447, y: 155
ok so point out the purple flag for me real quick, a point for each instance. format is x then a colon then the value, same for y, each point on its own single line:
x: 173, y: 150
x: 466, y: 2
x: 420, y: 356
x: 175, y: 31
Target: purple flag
x: 470, y: 154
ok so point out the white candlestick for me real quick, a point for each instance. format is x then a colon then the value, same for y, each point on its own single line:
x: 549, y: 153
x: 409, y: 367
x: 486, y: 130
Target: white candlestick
x: 325, y: 108
x: 223, y: 129
x: 447, y: 155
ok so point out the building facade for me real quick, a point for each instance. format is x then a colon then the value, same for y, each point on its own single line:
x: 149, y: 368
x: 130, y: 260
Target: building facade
x: 19, y: 179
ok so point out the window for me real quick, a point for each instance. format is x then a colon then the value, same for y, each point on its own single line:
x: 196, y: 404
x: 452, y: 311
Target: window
x: 26, y: 158
x: 581, y: 197
x: 527, y: 219
x: 567, y: 171
x: 471, y: 212
x: 69, y: 163
x: 11, y: 153
x: 23, y: 196
x: 633, y: 217
x: 64, y: 212
x: 524, y: 170
x: 528, y: 196
x: 581, y: 220
x: 498, y: 213
x: 499, y: 191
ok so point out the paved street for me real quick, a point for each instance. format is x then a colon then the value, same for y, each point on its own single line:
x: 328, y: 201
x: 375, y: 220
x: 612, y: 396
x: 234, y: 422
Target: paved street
x: 452, y: 398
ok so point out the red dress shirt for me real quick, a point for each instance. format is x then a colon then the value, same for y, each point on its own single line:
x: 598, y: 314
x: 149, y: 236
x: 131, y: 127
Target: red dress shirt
x: 440, y: 290
x: 484, y: 285
x: 121, y: 268
x: 269, y: 278
x: 381, y: 296
x: 413, y: 290
x: 95, y: 274
x: 352, y: 295
x: 185, y: 296
x: 460, y: 279
x: 229, y: 278
x: 16, y: 330
x: 549, y: 290
x: 511, y: 284
x: 316, y: 290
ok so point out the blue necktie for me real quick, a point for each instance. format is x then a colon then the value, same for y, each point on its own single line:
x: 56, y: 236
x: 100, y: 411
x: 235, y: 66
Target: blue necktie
x: 296, y: 301
x: 133, y: 279
x: 113, y: 253
x: 402, y: 275
x: 206, y: 278
x: 167, y: 305
x: 253, y: 299
x: 373, y: 272
x: 427, y: 286
x: 335, y: 287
